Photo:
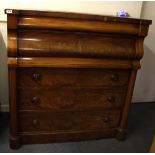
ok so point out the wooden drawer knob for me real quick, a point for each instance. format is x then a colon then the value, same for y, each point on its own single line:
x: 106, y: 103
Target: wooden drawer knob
x: 106, y: 119
x: 35, y: 122
x: 114, y: 77
x: 111, y: 99
x: 36, y: 76
x: 35, y: 100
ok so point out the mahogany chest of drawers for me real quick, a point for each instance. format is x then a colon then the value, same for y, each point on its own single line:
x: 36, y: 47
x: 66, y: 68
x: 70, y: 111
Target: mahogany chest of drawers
x: 71, y: 76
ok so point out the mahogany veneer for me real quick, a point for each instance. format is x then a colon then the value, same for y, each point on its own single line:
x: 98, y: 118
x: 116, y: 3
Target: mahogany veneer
x: 71, y: 76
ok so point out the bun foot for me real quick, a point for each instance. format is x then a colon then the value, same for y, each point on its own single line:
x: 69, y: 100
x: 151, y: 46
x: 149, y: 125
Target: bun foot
x: 121, y: 134
x: 14, y: 143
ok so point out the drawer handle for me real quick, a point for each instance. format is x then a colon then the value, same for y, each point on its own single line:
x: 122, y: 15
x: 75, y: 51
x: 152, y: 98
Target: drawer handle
x: 35, y: 100
x: 36, y: 76
x: 114, y: 77
x: 35, y: 122
x: 106, y: 119
x: 111, y: 99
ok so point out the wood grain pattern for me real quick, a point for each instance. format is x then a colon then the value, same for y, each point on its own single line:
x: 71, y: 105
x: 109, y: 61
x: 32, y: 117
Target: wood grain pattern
x: 139, y: 48
x: 71, y: 75
x: 74, y: 15
x: 48, y: 137
x: 12, y: 43
x: 51, y: 122
x: 128, y: 99
x: 71, y: 99
x: 57, y: 62
x: 68, y: 44
x: 14, y: 137
x: 12, y: 21
x: 121, y: 131
x: 76, y: 25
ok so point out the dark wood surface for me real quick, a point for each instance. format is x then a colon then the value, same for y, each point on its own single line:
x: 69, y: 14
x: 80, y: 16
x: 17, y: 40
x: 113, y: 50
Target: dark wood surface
x: 74, y: 15
x: 47, y: 43
x: 61, y: 121
x: 55, y: 62
x: 71, y: 76
x: 70, y: 99
x: 47, y: 77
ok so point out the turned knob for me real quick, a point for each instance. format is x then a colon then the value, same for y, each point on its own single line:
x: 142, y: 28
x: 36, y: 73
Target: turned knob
x: 106, y: 119
x: 36, y: 76
x: 35, y: 122
x: 111, y: 99
x: 35, y: 100
x: 114, y: 77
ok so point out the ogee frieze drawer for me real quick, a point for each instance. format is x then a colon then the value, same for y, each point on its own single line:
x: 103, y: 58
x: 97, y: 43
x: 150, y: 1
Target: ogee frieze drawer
x: 47, y: 77
x: 68, y: 44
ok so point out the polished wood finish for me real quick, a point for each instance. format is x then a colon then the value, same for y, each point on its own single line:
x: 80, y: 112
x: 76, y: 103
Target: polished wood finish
x: 14, y: 137
x: 52, y: 122
x: 70, y: 44
x: 76, y: 25
x: 64, y: 136
x: 47, y: 77
x: 77, y: 16
x: 68, y: 99
x: 70, y: 63
x: 71, y: 76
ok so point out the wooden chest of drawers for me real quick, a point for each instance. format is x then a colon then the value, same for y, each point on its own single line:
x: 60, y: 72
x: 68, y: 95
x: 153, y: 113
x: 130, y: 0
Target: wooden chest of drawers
x: 71, y: 76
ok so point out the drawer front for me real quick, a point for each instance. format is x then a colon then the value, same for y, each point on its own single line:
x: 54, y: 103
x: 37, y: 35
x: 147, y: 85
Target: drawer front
x: 70, y: 99
x: 45, y: 77
x: 67, y: 121
x: 74, y: 44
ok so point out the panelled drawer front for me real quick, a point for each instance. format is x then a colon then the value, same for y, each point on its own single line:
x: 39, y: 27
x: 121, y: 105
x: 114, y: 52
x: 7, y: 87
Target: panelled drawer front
x: 67, y: 121
x: 46, y: 77
x: 70, y: 99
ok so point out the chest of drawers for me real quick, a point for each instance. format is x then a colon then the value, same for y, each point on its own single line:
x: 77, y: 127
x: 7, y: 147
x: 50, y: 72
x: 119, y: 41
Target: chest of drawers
x: 71, y: 76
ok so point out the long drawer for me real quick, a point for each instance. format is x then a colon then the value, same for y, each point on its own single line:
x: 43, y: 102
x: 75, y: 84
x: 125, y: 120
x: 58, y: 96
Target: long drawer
x: 70, y: 99
x: 47, y: 77
x: 74, y: 44
x: 67, y: 121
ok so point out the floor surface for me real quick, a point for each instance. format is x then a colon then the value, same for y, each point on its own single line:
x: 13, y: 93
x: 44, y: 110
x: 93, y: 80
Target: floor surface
x: 141, y: 126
